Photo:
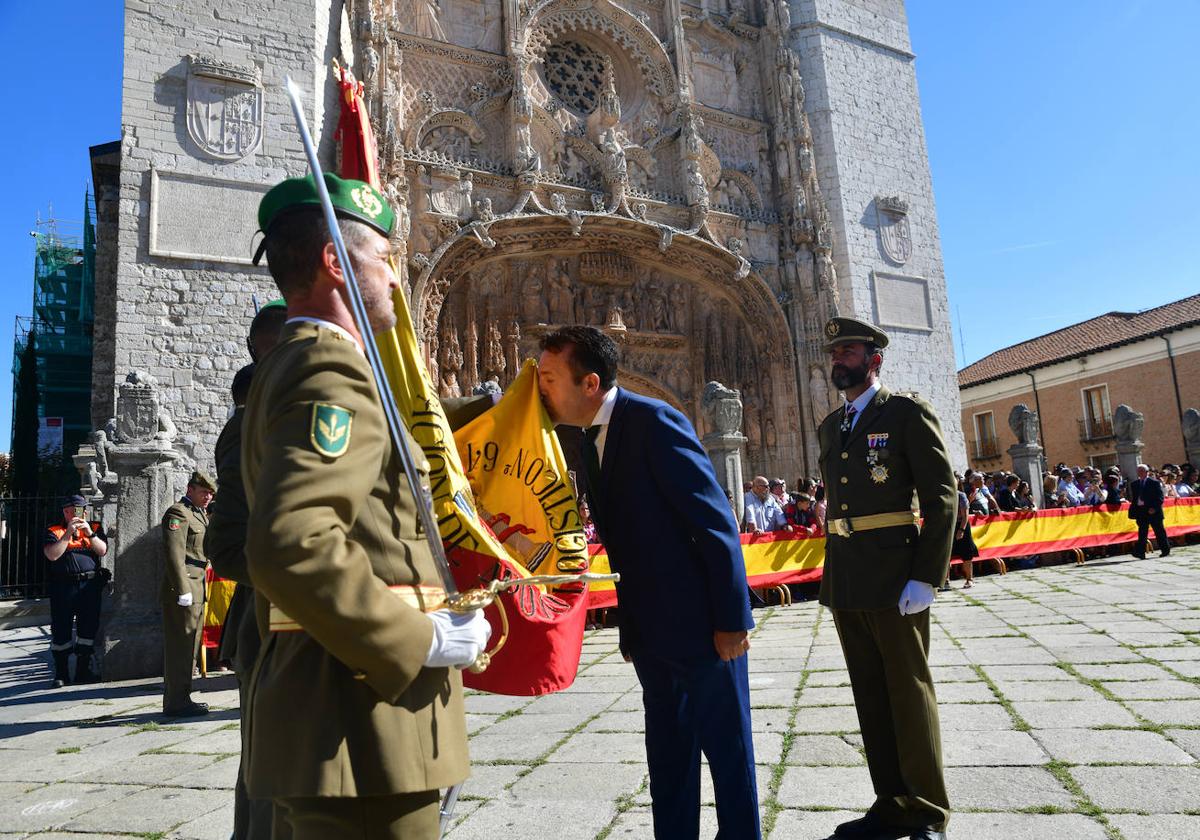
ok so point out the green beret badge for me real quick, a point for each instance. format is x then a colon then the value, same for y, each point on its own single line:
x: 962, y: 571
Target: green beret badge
x: 330, y: 429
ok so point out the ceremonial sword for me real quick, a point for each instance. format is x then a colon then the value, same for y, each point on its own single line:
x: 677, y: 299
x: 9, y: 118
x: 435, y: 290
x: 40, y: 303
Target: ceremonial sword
x: 475, y: 599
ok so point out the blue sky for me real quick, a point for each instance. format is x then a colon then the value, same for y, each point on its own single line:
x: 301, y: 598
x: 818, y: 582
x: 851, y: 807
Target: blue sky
x: 1061, y: 135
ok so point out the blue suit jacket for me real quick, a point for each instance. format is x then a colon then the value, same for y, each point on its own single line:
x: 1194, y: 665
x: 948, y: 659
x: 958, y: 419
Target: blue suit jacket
x: 669, y: 532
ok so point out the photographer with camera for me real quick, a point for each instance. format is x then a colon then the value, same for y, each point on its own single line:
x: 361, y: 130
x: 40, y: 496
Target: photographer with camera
x: 74, y: 549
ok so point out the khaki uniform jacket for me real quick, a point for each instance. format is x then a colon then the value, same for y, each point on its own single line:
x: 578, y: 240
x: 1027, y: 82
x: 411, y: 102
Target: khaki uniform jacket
x: 225, y: 545
x: 184, y: 561
x: 868, y: 569
x: 344, y: 707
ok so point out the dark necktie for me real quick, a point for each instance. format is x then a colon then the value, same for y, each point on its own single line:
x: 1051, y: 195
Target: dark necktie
x: 591, y: 464
x: 847, y: 422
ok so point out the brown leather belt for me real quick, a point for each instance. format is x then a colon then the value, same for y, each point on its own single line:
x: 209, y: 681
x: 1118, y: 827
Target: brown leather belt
x: 847, y: 526
x: 423, y: 598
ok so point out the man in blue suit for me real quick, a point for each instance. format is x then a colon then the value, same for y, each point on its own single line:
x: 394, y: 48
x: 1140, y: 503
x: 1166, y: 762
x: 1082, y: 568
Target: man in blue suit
x: 1145, y: 507
x: 684, y: 607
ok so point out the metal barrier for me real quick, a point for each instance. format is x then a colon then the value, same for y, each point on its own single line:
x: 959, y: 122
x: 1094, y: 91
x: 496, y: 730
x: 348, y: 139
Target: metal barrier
x: 24, y: 571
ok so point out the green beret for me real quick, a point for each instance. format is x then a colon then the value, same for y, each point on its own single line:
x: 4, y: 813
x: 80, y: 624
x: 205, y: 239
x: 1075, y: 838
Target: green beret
x: 844, y: 330
x: 201, y: 479
x: 351, y: 200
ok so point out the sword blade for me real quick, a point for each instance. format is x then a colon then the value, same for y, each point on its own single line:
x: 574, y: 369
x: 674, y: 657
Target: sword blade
x: 395, y: 422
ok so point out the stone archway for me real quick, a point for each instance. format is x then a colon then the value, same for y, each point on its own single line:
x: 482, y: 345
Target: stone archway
x: 683, y: 316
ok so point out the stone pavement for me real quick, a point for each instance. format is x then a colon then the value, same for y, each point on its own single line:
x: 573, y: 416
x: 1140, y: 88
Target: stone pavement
x: 1070, y: 703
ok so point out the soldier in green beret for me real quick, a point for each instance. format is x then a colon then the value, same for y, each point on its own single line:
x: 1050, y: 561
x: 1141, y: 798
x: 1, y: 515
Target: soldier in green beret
x: 879, y: 577
x: 356, y: 713
x: 182, y: 594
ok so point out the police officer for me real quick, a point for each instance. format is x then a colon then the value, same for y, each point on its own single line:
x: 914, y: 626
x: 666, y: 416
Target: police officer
x: 356, y: 713
x: 879, y: 577
x: 74, y: 549
x: 182, y: 594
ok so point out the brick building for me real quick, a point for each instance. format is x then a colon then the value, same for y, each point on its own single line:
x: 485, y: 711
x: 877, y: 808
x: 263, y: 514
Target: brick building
x: 1076, y: 376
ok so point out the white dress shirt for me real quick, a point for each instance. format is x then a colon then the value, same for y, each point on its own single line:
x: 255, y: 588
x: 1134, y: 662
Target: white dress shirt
x: 864, y: 399
x: 602, y: 418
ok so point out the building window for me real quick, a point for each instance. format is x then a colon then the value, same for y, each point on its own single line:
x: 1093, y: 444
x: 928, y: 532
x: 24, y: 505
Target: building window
x: 1097, y: 416
x: 1103, y: 462
x: 986, y: 445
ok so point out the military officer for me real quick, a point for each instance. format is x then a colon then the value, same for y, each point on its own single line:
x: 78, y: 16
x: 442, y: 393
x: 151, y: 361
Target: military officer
x: 182, y: 594
x: 356, y: 714
x: 879, y: 577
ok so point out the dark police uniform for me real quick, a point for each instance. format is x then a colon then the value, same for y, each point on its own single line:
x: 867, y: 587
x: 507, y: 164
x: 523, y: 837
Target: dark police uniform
x: 76, y: 582
x: 184, y: 567
x: 874, y: 547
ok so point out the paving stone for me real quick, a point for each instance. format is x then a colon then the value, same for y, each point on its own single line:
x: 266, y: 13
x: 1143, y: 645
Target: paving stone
x: 1048, y: 690
x: 964, y: 692
x: 1187, y: 669
x: 1123, y: 671
x: 991, y: 749
x: 1006, y: 826
x: 53, y: 806
x: 1156, y: 826
x: 150, y: 769
x: 504, y: 818
x: 945, y: 674
x: 487, y: 746
x: 1177, y: 653
x: 791, y: 825
x: 1166, y: 689
x: 1079, y: 655
x: 1000, y: 654
x: 591, y: 783
x: 1068, y: 714
x: 586, y: 747
x: 1151, y: 790
x: 221, y: 774
x: 823, y: 751
x: 151, y: 810
x: 1189, y: 739
x: 1177, y: 712
x: 487, y: 781
x: 820, y: 719
x: 493, y: 704
x: 962, y: 717
x: 770, y: 720
x: 1110, y: 746
x: 826, y: 696
x: 1005, y: 788
x: 1012, y: 673
x: 215, y: 825
x: 772, y: 697
x: 830, y: 678
x: 842, y: 787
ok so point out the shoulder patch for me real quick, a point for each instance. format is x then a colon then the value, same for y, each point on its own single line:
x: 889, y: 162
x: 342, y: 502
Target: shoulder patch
x: 330, y: 429
x: 173, y: 523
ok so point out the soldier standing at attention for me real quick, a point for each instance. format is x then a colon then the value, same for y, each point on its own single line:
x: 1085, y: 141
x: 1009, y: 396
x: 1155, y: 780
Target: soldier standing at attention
x: 182, y: 593
x: 356, y: 711
x: 879, y: 578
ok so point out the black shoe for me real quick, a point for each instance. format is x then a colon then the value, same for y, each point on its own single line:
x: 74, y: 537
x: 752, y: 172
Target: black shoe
x: 869, y: 827
x: 1138, y: 556
x: 62, y: 669
x: 192, y: 709
x: 1165, y: 554
x: 927, y: 834
x: 83, y: 665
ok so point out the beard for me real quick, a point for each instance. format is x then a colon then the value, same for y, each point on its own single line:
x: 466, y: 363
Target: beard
x: 847, y: 377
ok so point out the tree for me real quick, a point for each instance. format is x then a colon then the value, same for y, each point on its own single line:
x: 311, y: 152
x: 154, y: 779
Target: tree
x: 25, y: 466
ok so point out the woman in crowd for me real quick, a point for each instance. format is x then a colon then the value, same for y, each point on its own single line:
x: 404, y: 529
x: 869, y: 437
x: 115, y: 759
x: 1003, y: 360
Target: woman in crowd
x: 964, y: 547
x: 1024, y: 497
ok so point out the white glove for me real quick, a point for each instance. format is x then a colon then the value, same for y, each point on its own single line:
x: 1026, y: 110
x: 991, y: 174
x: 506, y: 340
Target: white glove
x: 458, y: 638
x: 917, y: 596
x: 184, y: 600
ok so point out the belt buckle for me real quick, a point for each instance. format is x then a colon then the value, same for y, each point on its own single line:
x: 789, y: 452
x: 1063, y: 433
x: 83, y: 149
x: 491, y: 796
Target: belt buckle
x: 842, y: 527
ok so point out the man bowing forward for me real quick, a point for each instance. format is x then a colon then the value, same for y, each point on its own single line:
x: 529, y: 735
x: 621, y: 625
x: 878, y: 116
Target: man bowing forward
x: 684, y: 607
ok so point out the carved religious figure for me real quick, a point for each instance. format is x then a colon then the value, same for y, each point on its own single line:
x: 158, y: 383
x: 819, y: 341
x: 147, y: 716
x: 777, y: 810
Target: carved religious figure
x: 558, y: 291
x: 424, y: 19
x: 1024, y: 424
x: 818, y: 395
x: 533, y: 303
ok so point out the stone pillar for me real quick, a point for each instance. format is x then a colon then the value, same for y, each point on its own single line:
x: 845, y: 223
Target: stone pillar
x: 1127, y: 428
x: 723, y: 410
x: 1028, y: 463
x: 1191, y: 436
x: 148, y: 473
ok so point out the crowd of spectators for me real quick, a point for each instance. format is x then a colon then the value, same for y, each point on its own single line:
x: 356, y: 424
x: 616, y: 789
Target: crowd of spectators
x: 1064, y: 486
x: 769, y: 507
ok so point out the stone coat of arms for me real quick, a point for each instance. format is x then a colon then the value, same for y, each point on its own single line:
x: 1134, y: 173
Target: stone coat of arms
x: 224, y: 107
x: 891, y: 213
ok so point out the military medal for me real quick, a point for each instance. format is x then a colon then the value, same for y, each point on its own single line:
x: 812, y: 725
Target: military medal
x: 876, y: 443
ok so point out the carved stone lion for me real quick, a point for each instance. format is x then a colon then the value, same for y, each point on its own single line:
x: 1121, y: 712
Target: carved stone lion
x: 1128, y: 425
x: 722, y: 408
x: 1024, y: 424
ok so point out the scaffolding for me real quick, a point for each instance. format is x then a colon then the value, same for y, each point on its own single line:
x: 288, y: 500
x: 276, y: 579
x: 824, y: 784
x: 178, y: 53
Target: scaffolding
x: 61, y: 325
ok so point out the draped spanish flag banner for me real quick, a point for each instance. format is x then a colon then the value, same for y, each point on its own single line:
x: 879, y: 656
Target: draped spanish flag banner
x: 773, y: 559
x: 545, y: 636
x: 216, y: 605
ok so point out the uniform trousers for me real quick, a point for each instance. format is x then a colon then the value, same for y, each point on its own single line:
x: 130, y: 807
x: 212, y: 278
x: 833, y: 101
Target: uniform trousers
x: 252, y: 818
x: 402, y: 816
x: 693, y: 708
x: 887, y: 655
x: 181, y: 646
x: 74, y: 604
x: 1144, y: 524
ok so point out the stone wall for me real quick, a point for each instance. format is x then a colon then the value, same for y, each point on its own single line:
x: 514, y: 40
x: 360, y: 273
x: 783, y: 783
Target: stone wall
x: 869, y: 142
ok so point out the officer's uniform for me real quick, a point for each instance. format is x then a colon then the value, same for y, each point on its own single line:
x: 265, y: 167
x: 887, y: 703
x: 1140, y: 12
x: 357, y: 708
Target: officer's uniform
x: 873, y: 548
x: 76, y: 582
x: 184, y: 565
x: 341, y: 706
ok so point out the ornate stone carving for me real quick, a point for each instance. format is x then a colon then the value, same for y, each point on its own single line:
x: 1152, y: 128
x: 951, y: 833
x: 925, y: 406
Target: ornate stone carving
x: 722, y: 408
x: 1024, y: 424
x: 895, y: 235
x: 1128, y: 426
x: 141, y: 419
x: 224, y: 107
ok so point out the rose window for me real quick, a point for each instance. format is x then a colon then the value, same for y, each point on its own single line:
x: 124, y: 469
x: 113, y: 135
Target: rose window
x: 574, y: 73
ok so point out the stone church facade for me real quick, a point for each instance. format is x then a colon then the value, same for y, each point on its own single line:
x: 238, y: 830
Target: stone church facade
x: 708, y: 182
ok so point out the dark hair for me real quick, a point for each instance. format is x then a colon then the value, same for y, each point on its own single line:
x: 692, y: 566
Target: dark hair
x: 268, y: 321
x: 820, y: 494
x: 775, y: 482
x: 241, y: 384
x: 295, y: 242
x: 801, y: 498
x: 591, y: 351
x: 1011, y: 480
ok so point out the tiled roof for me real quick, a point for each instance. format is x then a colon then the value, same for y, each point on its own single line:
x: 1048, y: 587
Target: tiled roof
x: 1082, y: 339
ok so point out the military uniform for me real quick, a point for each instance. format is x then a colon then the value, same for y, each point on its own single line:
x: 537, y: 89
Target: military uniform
x: 184, y: 566
x: 873, y: 549
x: 342, y: 706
